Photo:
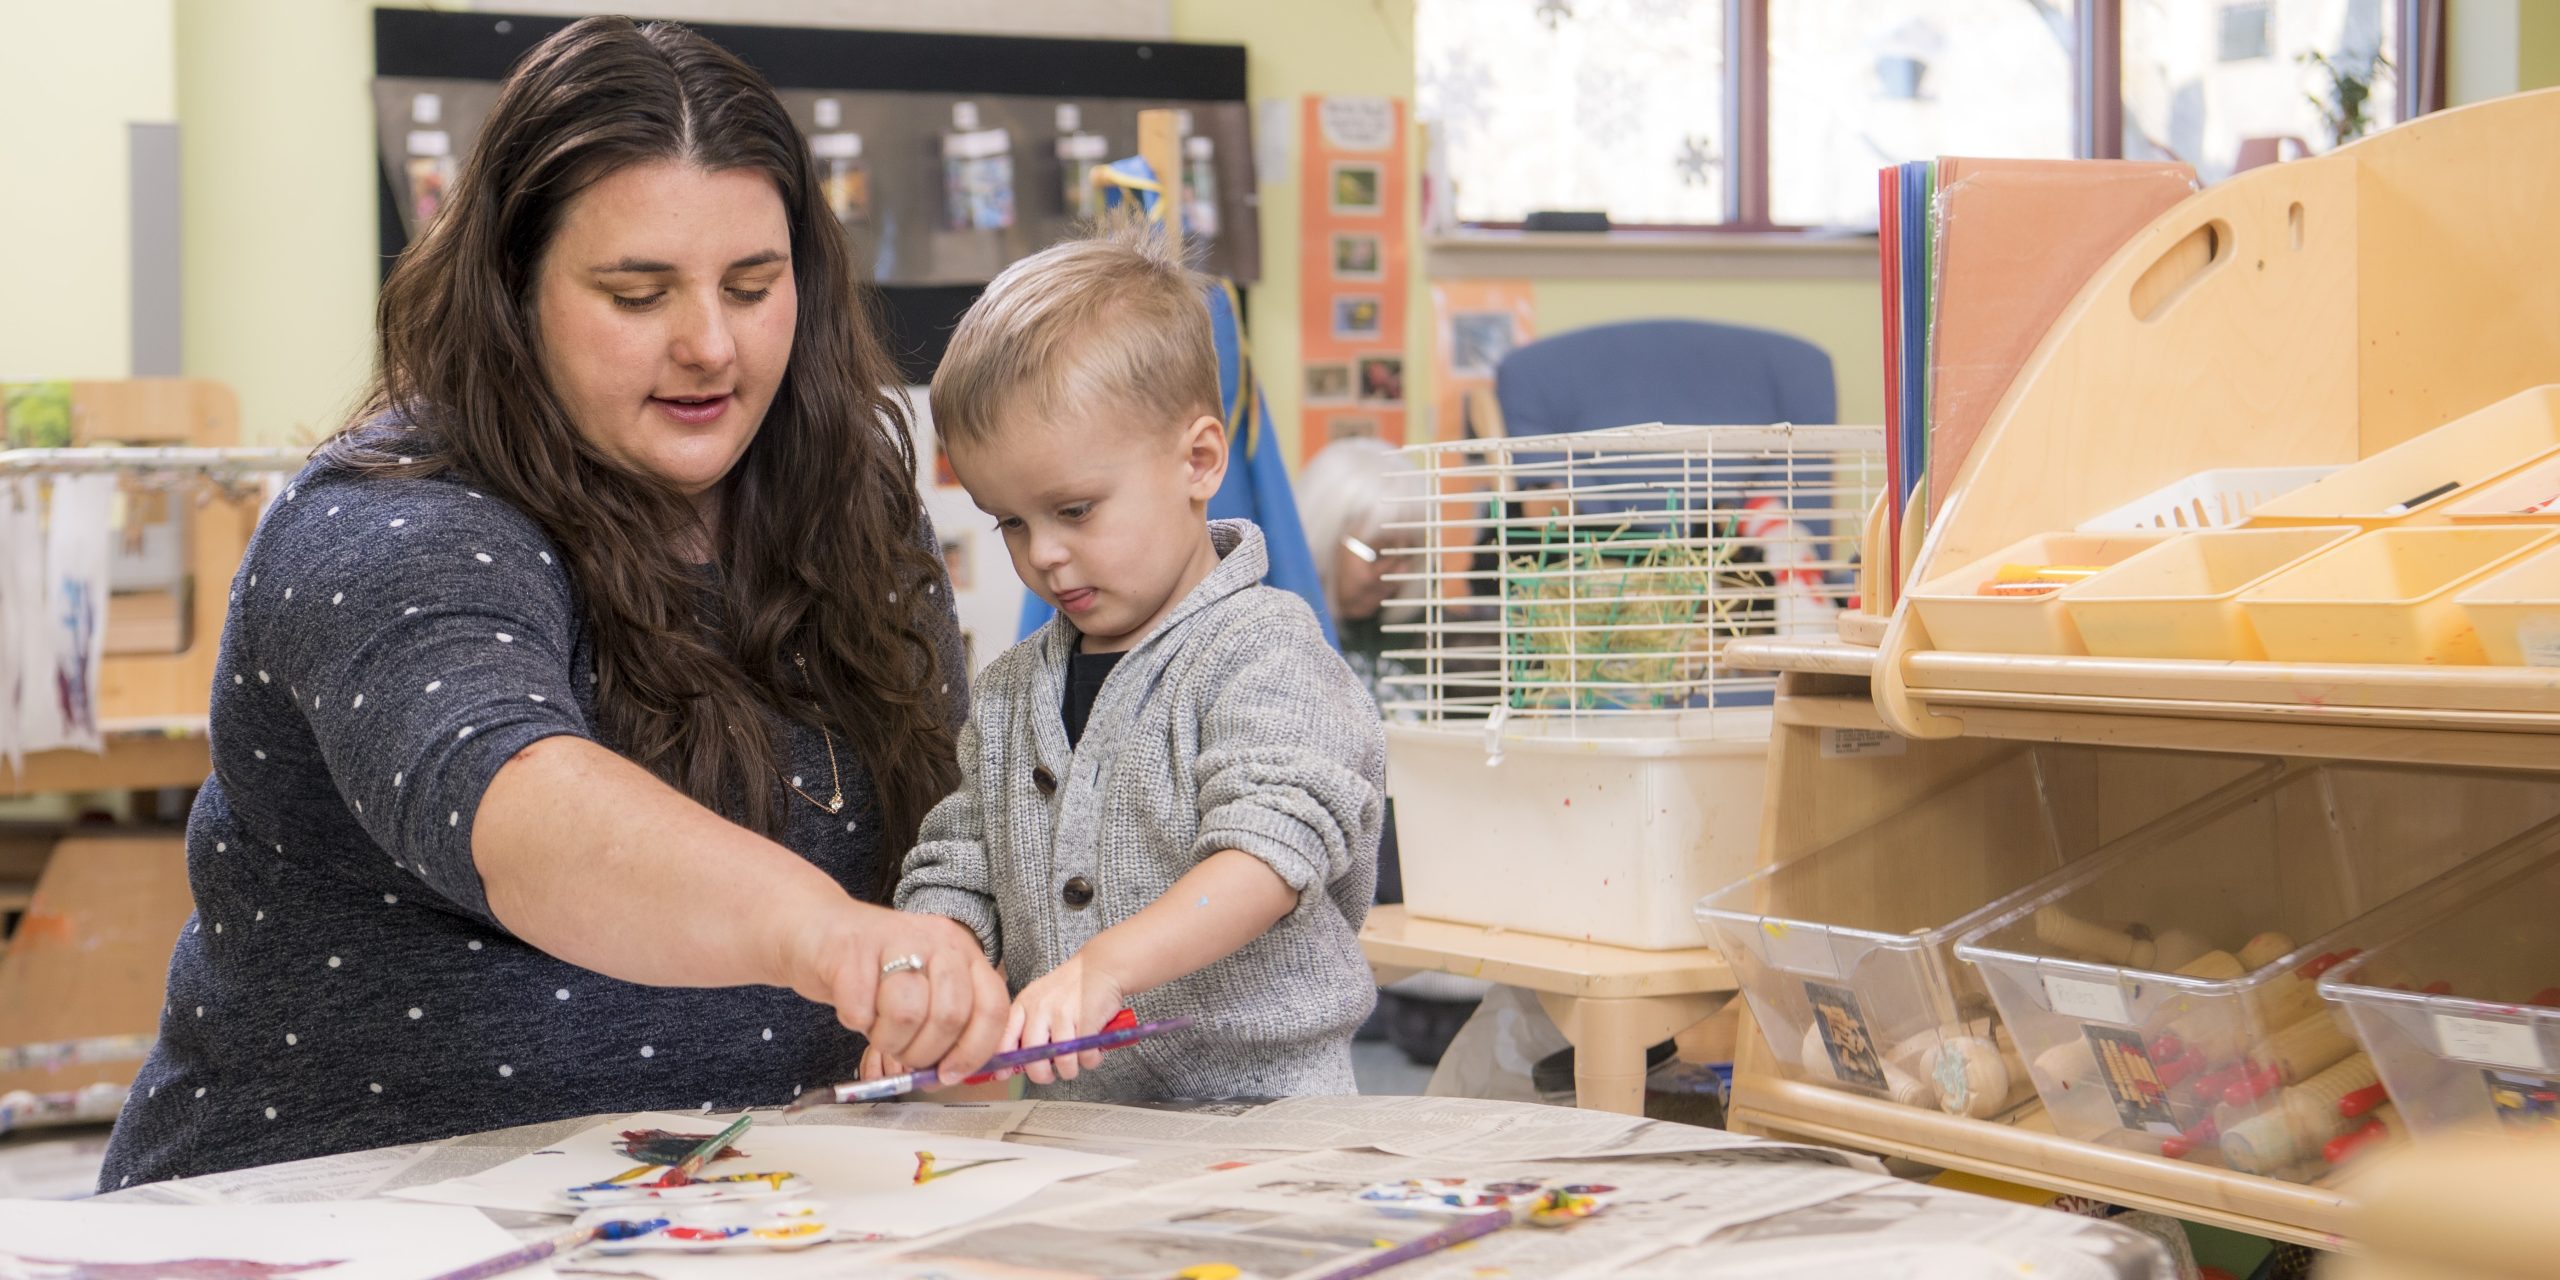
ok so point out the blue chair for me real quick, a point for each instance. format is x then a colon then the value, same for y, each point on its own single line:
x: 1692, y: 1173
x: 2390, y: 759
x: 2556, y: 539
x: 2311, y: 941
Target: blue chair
x: 1688, y: 371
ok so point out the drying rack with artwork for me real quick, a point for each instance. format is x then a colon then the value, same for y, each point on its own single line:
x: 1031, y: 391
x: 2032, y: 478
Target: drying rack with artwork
x: 167, y: 489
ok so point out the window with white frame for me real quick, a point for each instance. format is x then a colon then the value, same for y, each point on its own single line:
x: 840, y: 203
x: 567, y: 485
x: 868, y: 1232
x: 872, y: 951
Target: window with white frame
x: 1775, y: 114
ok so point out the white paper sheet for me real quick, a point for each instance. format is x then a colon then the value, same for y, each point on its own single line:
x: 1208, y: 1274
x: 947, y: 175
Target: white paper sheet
x: 42, y: 1240
x: 24, y: 650
x: 61, y: 709
x: 864, y: 1177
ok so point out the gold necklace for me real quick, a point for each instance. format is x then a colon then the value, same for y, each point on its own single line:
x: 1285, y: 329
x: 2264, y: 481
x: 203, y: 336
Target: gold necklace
x: 834, y: 803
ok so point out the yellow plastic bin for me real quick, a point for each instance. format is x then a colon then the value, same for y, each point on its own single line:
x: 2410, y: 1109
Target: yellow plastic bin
x: 2517, y: 611
x: 2181, y: 599
x: 2387, y: 596
x: 1961, y: 620
x: 2521, y: 498
x: 2416, y: 481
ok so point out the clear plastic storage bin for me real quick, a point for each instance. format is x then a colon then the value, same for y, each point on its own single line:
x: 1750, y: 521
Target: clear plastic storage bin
x: 2163, y: 992
x: 1846, y: 952
x: 2462, y: 1014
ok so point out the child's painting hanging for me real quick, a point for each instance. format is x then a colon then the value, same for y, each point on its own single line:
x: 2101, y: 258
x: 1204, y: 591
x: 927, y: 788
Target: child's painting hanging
x: 1355, y: 214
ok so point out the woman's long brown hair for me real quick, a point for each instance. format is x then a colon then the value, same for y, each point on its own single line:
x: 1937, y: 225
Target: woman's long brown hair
x: 820, y: 542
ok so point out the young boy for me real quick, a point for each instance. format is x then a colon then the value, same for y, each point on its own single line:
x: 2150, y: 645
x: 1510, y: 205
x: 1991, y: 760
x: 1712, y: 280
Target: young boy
x: 1171, y: 794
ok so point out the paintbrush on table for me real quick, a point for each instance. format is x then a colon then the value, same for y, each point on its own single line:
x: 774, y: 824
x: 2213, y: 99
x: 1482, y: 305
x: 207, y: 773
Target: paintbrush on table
x: 566, y: 1242
x: 682, y: 1172
x: 1123, y: 1029
x: 1449, y: 1237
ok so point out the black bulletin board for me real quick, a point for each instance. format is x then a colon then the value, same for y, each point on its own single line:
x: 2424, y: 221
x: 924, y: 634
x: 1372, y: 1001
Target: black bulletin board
x: 903, y: 85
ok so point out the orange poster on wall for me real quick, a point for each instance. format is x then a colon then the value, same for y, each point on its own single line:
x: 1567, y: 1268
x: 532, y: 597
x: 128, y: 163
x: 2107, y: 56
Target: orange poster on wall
x: 1474, y: 323
x: 1351, y: 273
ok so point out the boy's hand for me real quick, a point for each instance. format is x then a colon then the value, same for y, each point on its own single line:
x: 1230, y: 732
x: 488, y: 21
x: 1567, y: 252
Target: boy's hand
x: 1074, y: 999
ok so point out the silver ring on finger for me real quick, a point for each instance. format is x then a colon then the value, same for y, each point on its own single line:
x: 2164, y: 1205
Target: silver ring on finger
x: 909, y: 963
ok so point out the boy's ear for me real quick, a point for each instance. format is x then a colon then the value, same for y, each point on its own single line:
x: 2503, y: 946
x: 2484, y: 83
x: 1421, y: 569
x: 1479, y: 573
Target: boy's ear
x: 1204, y: 451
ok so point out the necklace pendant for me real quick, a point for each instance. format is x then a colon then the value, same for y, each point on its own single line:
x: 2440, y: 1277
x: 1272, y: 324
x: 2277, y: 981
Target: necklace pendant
x: 835, y: 804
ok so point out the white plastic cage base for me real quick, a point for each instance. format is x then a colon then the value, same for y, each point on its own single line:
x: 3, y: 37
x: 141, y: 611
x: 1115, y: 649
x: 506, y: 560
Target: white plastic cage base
x: 1609, y: 840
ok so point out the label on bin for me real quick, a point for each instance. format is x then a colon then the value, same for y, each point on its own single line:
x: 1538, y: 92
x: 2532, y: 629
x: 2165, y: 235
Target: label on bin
x: 2496, y: 1044
x: 2081, y: 998
x: 2522, y: 1100
x: 1849, y: 744
x: 1843, y: 1028
x: 1799, y: 948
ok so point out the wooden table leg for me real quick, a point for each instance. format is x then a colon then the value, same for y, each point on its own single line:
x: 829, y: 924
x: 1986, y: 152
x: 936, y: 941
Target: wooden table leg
x: 1610, y: 1037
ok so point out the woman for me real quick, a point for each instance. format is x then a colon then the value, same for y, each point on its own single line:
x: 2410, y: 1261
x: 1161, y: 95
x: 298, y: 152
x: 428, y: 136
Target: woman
x: 1347, y: 499
x: 578, y: 702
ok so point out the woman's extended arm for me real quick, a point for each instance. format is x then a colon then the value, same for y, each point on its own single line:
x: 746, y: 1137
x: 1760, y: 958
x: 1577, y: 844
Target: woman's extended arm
x: 594, y: 860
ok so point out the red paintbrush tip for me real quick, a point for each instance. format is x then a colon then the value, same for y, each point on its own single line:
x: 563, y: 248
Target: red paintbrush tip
x: 1122, y: 1021
x: 2362, y: 1100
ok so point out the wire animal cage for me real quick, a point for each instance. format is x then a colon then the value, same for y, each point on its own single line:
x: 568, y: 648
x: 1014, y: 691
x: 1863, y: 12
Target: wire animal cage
x: 1596, y: 578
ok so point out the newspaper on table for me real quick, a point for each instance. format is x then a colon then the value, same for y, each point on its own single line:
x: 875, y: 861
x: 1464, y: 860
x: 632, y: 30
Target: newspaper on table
x: 1302, y: 1214
x: 1906, y: 1232
x: 1271, y: 1191
x: 1465, y: 1129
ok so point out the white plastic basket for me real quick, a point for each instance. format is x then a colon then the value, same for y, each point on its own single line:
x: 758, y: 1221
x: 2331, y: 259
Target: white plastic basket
x: 2216, y: 499
x: 1609, y: 840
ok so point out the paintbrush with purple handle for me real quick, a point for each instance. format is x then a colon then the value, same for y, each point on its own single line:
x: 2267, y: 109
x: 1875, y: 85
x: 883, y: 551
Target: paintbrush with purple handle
x: 1449, y: 1237
x: 1121, y: 1030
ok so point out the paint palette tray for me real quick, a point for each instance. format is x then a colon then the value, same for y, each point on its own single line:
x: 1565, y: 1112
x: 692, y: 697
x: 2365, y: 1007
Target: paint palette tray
x: 2163, y: 992
x: 1846, y: 953
x: 2461, y: 1015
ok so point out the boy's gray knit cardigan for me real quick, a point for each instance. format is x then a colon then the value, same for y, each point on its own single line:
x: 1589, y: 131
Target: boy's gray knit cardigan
x: 1232, y: 725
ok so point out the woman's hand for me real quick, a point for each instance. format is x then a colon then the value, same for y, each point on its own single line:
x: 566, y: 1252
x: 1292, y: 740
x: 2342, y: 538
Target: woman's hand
x: 950, y: 1014
x: 879, y: 1066
x: 1074, y: 999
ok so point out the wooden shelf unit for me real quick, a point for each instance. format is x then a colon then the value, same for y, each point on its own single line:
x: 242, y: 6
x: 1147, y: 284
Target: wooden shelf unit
x: 2311, y: 312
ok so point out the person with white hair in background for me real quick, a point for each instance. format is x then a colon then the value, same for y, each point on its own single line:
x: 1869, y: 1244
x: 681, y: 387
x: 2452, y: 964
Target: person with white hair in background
x: 1348, y: 504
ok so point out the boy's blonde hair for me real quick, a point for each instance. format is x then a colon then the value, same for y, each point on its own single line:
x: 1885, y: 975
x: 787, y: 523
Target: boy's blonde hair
x: 1112, y: 321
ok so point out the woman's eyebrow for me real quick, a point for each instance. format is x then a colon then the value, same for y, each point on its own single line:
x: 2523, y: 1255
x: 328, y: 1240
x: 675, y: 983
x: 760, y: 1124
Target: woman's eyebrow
x: 653, y: 267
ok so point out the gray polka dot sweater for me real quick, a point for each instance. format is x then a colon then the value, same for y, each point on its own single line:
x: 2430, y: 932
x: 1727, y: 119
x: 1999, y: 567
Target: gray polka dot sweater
x: 1232, y: 725
x: 342, y: 984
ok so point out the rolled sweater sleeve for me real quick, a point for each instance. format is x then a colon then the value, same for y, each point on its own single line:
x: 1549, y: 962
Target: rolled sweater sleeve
x: 947, y: 873
x: 425, y: 632
x: 1292, y: 760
